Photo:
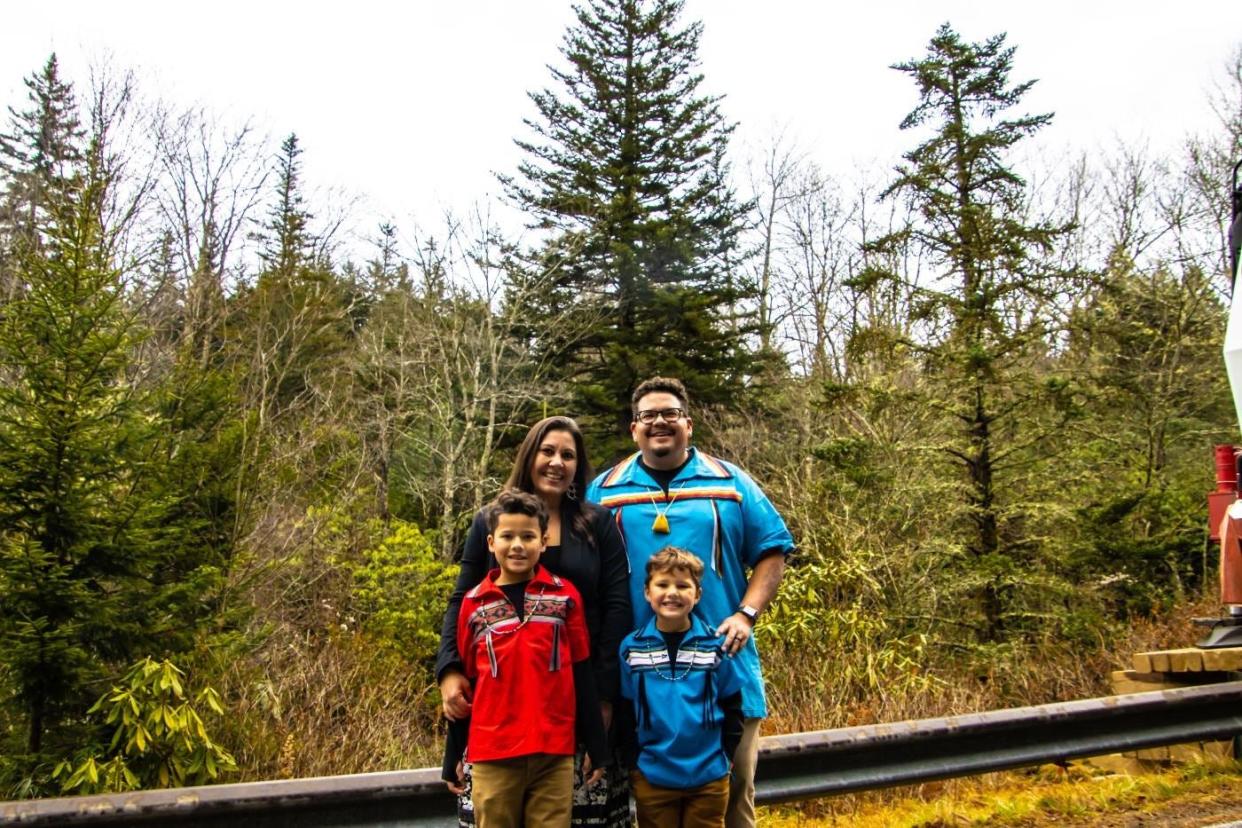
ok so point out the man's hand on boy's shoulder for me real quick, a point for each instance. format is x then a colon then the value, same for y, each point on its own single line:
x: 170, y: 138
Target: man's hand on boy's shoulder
x: 736, y: 630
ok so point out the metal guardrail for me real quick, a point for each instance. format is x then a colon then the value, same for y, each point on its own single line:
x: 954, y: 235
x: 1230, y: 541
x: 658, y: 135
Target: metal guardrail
x: 791, y: 767
x: 414, y: 798
x: 808, y: 765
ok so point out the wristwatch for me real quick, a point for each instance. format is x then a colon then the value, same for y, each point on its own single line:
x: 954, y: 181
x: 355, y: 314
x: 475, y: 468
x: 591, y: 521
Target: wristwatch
x: 750, y: 612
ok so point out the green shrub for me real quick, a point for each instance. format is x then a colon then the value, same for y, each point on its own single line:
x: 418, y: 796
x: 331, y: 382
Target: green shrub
x: 401, y: 587
x: 158, y: 736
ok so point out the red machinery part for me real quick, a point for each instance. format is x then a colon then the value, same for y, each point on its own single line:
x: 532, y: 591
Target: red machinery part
x: 1226, y: 468
x: 1226, y: 488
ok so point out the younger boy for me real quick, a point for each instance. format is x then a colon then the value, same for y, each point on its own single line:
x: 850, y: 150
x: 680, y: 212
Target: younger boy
x: 687, y: 701
x: 519, y: 631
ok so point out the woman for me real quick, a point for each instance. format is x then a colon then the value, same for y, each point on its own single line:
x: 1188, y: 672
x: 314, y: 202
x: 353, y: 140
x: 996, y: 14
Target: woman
x: 585, y: 547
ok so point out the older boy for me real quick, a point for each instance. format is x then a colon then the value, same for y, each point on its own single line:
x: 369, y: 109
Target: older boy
x: 519, y: 631
x: 687, y: 701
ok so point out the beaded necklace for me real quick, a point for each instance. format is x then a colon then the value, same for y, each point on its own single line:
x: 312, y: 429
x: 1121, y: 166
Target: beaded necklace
x: 672, y: 666
x: 535, y: 607
x: 672, y: 673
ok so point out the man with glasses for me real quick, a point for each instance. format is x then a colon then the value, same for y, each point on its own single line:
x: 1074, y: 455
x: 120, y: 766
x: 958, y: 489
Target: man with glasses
x: 671, y: 494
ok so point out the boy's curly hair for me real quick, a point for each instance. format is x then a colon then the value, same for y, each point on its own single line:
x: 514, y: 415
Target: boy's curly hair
x: 674, y: 557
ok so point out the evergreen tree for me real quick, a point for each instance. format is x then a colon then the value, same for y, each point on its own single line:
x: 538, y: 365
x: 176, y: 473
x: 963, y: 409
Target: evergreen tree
x: 116, y: 515
x: 1147, y: 345
x: 984, y: 333
x: 287, y: 243
x: 626, y: 174
x: 295, y: 321
x: 386, y: 271
x: 40, y: 155
x: 73, y: 548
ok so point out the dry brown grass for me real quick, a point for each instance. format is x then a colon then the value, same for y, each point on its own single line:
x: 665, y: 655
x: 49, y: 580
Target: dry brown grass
x: 313, y: 695
x: 331, y: 705
x: 811, y: 691
x: 1170, y: 630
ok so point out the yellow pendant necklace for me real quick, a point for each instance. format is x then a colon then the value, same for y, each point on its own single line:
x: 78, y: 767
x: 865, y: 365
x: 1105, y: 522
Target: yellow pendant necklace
x: 660, y: 524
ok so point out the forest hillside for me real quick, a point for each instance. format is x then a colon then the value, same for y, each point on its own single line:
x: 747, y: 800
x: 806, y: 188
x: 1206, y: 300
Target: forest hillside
x: 237, y: 459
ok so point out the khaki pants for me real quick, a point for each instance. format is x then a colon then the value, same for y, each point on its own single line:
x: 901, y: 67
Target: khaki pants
x: 534, y: 791
x: 702, y: 807
x: 741, y: 810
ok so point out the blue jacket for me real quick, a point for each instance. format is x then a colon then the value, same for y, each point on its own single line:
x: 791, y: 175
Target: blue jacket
x: 717, y: 512
x: 677, y: 707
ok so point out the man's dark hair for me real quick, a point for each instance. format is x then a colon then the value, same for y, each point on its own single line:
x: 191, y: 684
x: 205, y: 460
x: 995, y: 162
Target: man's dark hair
x: 514, y: 502
x: 660, y: 385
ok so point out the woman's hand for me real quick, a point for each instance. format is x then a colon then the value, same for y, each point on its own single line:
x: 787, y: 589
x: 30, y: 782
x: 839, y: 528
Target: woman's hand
x: 460, y: 787
x: 592, y: 775
x: 455, y: 695
x: 605, y: 713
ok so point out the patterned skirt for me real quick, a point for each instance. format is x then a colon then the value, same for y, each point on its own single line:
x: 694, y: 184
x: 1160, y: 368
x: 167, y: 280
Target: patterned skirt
x: 606, y: 805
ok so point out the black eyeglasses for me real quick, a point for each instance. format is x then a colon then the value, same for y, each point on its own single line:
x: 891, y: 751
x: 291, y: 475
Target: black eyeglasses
x: 669, y: 415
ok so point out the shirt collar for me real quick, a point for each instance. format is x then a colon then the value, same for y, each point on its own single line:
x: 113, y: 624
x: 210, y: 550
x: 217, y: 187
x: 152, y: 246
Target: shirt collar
x: 698, y: 629
x: 542, y: 577
x: 700, y: 464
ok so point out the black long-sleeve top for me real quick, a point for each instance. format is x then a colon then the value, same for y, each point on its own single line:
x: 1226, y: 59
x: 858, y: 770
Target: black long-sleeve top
x: 600, y: 574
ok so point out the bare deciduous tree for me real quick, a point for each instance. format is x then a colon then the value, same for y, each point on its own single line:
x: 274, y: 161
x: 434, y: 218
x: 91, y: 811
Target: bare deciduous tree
x: 448, y: 376
x: 775, y: 186
x: 212, y: 182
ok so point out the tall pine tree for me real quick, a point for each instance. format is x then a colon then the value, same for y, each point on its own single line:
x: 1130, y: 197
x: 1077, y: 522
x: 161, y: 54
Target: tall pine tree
x: 40, y: 156
x: 985, y: 335
x: 626, y: 174
x: 74, y: 553
x: 295, y: 322
x: 287, y: 241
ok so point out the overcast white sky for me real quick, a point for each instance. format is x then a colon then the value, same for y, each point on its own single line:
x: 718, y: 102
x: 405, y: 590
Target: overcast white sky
x: 414, y: 105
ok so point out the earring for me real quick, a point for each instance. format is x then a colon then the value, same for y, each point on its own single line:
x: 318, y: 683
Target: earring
x: 572, y: 491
